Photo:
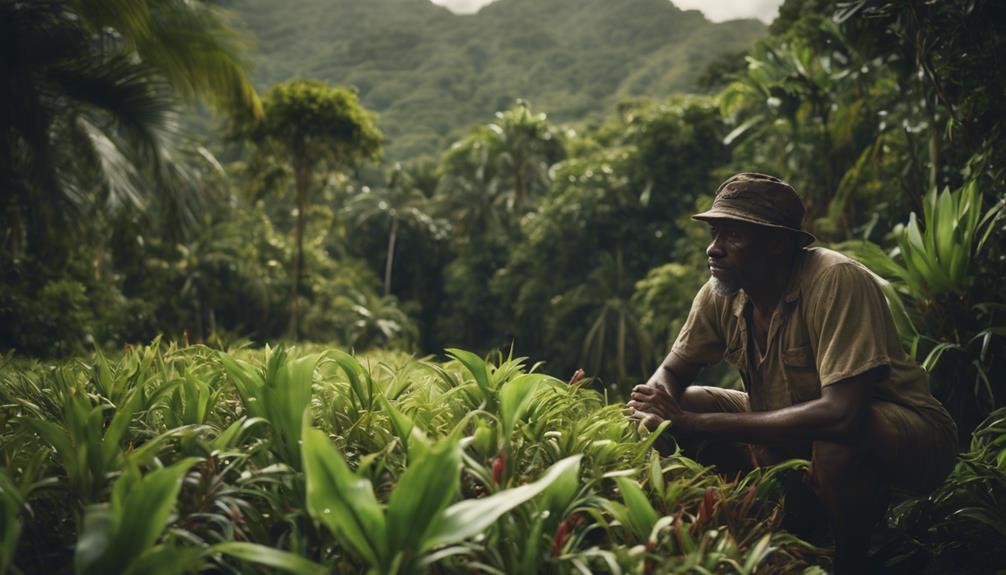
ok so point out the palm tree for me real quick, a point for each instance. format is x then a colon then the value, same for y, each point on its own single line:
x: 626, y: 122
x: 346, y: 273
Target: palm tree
x: 523, y: 146
x: 404, y: 201
x: 615, y: 334
x: 466, y: 191
x: 89, y: 102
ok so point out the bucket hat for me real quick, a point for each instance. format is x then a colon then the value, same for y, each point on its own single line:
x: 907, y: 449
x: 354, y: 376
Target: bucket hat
x: 759, y: 199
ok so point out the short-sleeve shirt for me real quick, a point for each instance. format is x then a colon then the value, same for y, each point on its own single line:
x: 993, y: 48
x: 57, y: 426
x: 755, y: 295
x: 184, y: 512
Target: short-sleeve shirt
x: 832, y: 324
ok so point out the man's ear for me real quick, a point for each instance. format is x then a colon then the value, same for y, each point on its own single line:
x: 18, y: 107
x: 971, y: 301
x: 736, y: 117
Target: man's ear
x: 783, y: 243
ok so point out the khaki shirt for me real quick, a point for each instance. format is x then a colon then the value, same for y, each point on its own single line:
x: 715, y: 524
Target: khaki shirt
x: 832, y: 324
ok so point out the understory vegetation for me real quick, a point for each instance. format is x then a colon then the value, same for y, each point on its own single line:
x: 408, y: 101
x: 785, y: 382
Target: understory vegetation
x: 169, y: 460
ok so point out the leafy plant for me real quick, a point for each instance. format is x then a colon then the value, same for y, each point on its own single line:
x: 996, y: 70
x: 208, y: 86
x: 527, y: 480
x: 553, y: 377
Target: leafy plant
x: 419, y: 516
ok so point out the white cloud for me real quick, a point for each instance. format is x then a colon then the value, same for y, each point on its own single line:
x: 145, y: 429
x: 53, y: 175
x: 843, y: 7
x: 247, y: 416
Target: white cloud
x: 715, y: 10
x: 720, y: 10
x: 463, y: 6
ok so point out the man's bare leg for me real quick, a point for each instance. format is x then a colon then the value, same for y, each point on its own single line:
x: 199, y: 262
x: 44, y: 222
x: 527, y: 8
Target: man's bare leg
x: 729, y: 458
x: 851, y: 483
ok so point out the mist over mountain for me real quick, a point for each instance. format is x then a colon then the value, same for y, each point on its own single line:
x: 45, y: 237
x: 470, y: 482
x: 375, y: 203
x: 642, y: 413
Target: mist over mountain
x: 430, y: 73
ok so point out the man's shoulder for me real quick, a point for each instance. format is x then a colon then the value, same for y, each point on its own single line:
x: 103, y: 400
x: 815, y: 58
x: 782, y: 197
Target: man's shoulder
x: 825, y: 269
x: 819, y: 262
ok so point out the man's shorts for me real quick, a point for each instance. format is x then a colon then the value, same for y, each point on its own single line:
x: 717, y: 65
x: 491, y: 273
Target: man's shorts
x: 924, y: 441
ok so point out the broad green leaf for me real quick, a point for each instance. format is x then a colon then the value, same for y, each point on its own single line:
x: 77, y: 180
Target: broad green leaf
x: 425, y: 489
x: 118, y: 427
x: 354, y: 372
x: 557, y: 496
x: 342, y: 501
x: 234, y: 432
x: 656, y: 473
x: 477, y: 366
x: 471, y: 516
x: 400, y: 423
x: 145, y: 510
x: 116, y: 535
x: 275, y: 558
x: 94, y: 539
x: 640, y: 514
x: 11, y: 503
x: 514, y: 397
x: 248, y: 383
x: 166, y: 559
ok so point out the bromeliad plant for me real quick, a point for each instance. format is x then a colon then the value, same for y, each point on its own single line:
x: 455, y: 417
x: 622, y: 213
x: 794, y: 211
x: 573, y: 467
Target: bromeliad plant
x: 420, y: 516
x: 931, y: 273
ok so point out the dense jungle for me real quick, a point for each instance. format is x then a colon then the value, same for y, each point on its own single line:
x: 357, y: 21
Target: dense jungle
x: 362, y: 286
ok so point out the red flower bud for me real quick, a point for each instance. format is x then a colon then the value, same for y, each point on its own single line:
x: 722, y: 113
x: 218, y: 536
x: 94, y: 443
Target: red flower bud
x: 706, y: 507
x: 579, y: 375
x: 499, y: 467
x: 561, y: 536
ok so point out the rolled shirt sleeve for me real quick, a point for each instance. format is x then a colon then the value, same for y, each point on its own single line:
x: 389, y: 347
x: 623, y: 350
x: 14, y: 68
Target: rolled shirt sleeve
x: 700, y: 341
x: 846, y: 309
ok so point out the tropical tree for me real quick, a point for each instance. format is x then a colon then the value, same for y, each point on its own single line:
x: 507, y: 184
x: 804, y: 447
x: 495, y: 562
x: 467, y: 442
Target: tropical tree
x: 523, y: 146
x: 405, y: 201
x: 89, y: 103
x: 311, y: 125
x: 616, y: 335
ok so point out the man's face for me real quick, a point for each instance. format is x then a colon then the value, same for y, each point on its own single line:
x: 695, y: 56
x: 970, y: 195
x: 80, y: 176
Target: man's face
x: 737, y: 255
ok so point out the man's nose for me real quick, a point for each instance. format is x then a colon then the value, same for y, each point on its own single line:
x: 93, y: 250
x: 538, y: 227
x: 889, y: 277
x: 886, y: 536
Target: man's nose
x: 714, y: 250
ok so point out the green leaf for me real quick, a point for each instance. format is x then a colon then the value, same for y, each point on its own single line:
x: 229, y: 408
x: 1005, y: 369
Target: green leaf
x: 423, y: 491
x: 640, y: 514
x: 275, y: 558
x: 400, y: 423
x: 471, y: 516
x: 134, y: 520
x: 166, y: 559
x: 234, y: 432
x: 146, y: 508
x: 354, y: 372
x: 477, y: 366
x: 757, y: 554
x: 514, y: 396
x: 342, y: 501
x: 118, y: 427
x: 94, y: 538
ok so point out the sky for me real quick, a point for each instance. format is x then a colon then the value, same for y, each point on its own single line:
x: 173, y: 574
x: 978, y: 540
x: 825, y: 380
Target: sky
x: 715, y: 10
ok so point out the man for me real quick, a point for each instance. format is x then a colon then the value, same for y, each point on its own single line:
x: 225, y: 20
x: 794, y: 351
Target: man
x: 824, y: 372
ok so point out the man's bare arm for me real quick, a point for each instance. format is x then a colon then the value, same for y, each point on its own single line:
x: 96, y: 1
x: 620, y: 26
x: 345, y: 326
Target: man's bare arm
x: 675, y: 375
x: 838, y: 415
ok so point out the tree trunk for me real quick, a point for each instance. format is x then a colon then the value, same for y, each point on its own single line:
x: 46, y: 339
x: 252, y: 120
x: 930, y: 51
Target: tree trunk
x: 301, y: 175
x: 390, y: 261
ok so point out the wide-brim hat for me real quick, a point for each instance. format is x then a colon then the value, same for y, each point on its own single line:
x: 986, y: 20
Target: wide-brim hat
x: 761, y: 200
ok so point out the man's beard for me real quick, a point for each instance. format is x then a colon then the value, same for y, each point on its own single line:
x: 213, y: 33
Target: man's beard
x: 725, y: 287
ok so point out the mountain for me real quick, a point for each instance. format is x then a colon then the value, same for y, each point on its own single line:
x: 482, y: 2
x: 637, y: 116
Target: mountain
x: 430, y: 74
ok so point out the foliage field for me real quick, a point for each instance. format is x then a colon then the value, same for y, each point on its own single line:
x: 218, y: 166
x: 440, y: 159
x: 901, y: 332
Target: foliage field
x: 172, y: 460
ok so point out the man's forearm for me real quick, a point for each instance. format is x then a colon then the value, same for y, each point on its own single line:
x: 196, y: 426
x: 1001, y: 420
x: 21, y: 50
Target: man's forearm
x: 810, y: 421
x: 670, y: 374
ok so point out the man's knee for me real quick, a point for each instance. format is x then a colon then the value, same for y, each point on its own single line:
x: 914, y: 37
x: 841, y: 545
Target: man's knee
x: 701, y: 399
x: 839, y: 465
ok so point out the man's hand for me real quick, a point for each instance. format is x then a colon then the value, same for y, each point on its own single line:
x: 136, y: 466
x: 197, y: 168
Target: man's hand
x: 651, y: 405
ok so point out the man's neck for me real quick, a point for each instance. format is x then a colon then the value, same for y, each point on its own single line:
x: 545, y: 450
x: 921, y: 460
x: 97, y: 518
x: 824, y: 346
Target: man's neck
x: 766, y: 295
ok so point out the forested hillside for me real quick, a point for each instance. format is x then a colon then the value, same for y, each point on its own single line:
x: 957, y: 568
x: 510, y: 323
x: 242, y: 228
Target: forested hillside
x: 430, y: 73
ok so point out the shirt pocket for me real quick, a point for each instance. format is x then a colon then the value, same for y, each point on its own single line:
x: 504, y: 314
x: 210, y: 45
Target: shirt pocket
x: 801, y: 374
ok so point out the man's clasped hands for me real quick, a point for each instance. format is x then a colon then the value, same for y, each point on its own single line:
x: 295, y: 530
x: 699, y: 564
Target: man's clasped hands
x: 651, y: 404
